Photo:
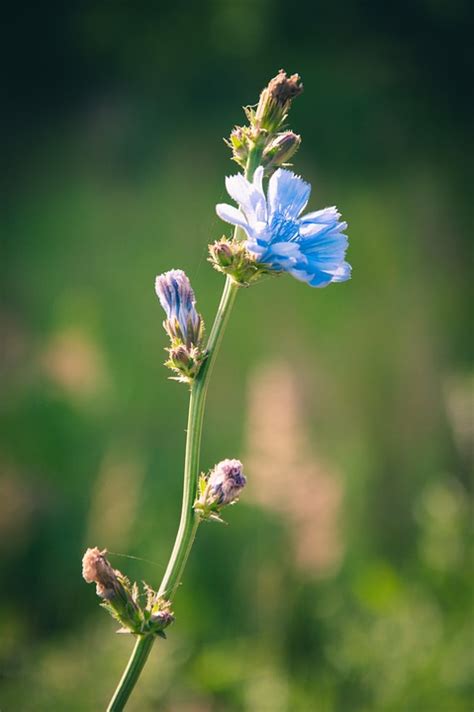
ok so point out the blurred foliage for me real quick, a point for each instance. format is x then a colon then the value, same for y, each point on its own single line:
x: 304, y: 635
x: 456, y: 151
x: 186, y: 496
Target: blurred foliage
x: 113, y: 163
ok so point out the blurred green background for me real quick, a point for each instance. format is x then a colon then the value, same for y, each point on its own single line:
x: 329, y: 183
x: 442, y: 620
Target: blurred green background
x: 342, y: 581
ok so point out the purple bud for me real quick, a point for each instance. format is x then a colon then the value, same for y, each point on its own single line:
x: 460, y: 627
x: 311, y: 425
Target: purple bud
x: 226, y: 482
x: 176, y: 296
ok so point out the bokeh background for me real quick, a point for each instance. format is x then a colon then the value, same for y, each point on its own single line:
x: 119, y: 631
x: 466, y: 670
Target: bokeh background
x: 341, y: 582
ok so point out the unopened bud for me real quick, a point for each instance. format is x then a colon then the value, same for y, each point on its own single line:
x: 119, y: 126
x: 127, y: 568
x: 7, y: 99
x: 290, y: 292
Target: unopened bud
x: 161, y: 616
x: 185, y: 361
x: 183, y: 323
x: 280, y: 150
x: 221, y: 253
x: 233, y: 259
x: 219, y: 488
x: 226, y: 481
x: 179, y: 357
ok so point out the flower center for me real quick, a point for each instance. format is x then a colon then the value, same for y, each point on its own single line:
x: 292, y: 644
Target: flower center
x: 283, y: 229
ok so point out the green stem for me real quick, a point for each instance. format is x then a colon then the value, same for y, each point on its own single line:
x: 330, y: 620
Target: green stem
x: 189, y: 521
x: 132, y: 672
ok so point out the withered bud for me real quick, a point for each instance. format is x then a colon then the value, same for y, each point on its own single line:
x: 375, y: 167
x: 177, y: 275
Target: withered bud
x: 96, y: 569
x: 275, y: 101
x: 283, y: 89
x: 118, y: 596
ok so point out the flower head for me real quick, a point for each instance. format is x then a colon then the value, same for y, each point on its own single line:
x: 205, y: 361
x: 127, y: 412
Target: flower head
x: 311, y: 248
x: 176, y: 296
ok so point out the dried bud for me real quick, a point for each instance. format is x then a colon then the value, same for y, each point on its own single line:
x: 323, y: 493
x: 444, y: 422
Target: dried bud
x: 279, y: 151
x: 283, y: 89
x: 96, y: 569
x: 275, y: 101
x: 117, y: 595
x: 219, y: 488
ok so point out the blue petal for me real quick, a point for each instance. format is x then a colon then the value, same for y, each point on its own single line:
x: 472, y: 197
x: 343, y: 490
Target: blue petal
x: 326, y: 215
x: 249, y: 196
x: 231, y: 215
x: 288, y: 194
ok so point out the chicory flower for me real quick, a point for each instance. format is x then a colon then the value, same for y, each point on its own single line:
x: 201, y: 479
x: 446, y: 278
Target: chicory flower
x: 311, y: 248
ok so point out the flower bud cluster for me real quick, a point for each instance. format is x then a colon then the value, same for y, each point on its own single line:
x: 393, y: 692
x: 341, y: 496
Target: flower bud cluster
x: 122, y: 599
x: 183, y: 324
x: 266, y: 125
x: 219, y: 488
x: 232, y: 258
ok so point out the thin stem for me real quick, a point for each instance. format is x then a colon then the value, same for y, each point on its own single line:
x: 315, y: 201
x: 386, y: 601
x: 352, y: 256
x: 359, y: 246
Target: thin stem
x: 189, y: 520
x: 132, y: 672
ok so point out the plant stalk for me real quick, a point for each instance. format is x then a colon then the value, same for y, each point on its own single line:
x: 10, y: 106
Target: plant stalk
x: 189, y: 520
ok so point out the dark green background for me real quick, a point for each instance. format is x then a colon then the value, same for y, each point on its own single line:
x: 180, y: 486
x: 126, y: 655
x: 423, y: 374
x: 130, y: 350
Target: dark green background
x: 341, y: 583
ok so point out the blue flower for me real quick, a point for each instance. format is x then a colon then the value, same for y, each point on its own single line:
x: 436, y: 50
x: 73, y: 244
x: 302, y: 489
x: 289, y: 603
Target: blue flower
x: 183, y: 323
x: 311, y: 248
